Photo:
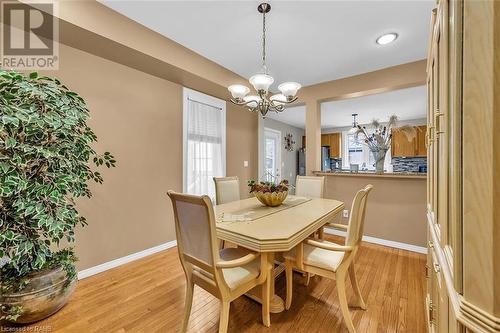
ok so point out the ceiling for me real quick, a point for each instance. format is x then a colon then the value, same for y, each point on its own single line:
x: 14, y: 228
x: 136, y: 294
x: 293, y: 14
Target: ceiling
x: 308, y: 41
x: 407, y: 104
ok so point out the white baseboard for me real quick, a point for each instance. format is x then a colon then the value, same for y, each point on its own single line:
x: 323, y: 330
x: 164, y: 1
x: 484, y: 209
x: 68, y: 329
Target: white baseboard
x: 389, y: 243
x: 123, y: 260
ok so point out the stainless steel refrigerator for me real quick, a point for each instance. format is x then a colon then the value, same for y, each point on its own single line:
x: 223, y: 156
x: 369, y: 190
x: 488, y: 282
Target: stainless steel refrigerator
x: 325, y: 158
x: 301, y: 160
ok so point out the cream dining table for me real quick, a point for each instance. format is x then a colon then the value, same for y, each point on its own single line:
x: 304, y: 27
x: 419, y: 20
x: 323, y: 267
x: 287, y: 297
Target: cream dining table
x: 271, y: 230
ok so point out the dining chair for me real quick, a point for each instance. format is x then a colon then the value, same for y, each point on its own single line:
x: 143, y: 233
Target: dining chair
x: 227, y: 189
x: 331, y: 260
x: 311, y: 187
x: 228, y: 273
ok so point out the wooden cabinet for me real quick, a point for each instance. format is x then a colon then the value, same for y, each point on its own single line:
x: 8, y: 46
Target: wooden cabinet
x: 335, y: 140
x: 325, y: 140
x: 332, y: 140
x: 421, y: 140
x: 409, y: 144
x: 462, y: 174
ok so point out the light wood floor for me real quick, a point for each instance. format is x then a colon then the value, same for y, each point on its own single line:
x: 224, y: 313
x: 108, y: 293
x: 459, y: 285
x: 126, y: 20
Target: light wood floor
x: 148, y: 296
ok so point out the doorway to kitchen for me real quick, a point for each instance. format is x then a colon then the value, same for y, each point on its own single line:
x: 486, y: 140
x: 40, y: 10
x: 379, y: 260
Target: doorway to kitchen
x: 272, y: 155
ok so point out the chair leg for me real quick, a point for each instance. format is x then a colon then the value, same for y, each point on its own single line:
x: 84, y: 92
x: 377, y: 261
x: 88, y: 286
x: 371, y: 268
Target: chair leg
x: 289, y: 283
x: 266, y: 296
x: 224, y: 316
x: 355, y: 286
x: 222, y: 243
x: 340, y: 279
x: 188, y: 305
x: 308, y: 278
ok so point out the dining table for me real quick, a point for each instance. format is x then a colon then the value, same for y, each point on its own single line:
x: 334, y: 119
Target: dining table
x: 273, y: 230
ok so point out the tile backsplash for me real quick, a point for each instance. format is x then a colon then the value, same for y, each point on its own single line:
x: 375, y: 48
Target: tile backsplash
x: 408, y: 164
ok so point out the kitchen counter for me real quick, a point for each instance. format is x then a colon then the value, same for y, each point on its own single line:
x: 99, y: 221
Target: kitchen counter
x: 346, y: 173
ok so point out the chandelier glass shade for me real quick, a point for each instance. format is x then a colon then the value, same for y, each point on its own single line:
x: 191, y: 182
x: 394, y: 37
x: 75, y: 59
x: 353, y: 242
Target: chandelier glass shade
x: 261, y: 83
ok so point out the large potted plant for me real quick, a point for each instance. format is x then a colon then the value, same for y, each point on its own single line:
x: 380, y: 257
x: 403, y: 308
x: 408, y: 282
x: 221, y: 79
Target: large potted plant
x: 45, y: 156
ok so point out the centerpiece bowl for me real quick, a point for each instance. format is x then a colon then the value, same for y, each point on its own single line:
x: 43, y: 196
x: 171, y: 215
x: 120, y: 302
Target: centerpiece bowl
x: 271, y: 199
x: 268, y: 193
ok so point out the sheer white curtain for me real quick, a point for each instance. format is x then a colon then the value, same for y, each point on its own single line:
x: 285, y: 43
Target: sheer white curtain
x: 204, y: 143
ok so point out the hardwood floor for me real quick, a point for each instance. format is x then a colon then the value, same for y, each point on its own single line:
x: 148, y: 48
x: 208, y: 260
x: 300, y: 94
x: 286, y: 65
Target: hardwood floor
x: 148, y: 296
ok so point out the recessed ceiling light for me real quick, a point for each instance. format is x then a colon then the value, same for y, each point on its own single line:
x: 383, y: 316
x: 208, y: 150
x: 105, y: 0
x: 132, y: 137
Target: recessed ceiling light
x: 387, y: 38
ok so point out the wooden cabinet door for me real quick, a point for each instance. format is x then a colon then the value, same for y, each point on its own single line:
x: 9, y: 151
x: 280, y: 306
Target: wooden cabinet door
x: 325, y: 139
x: 335, y: 145
x: 401, y: 146
x: 421, y: 135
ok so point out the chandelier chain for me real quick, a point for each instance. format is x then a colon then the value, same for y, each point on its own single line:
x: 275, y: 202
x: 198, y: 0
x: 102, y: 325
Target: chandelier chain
x: 264, y: 42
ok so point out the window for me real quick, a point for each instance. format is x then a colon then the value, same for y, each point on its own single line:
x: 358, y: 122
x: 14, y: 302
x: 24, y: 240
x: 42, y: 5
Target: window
x: 204, y: 142
x: 356, y: 152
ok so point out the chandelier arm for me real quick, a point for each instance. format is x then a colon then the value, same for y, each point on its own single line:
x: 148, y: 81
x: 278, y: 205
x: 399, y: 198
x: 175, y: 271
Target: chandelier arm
x: 276, y: 108
x: 242, y: 102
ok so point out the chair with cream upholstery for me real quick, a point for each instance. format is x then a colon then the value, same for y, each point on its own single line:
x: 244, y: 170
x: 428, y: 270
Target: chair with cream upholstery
x: 332, y: 260
x: 311, y: 187
x: 227, y: 274
x: 227, y: 189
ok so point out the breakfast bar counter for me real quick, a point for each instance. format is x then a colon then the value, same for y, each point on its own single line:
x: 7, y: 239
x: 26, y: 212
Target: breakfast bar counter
x: 372, y: 174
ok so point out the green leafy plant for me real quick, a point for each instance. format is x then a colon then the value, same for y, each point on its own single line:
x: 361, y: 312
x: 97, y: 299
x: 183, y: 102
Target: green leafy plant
x: 45, y: 156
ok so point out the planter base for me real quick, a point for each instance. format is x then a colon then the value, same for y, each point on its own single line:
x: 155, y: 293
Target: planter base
x: 46, y: 293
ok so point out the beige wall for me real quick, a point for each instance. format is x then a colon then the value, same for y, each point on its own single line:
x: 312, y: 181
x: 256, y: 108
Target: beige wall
x: 396, y: 208
x: 241, y: 145
x: 138, y: 117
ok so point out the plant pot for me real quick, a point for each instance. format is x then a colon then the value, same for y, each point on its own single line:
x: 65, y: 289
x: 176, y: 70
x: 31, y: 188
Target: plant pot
x: 46, y: 292
x: 271, y: 199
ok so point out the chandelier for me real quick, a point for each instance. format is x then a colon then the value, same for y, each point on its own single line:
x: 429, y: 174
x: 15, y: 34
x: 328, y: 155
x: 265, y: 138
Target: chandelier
x: 261, y: 83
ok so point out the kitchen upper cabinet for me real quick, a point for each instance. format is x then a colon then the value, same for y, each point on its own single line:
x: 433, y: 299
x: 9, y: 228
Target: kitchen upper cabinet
x: 335, y: 144
x: 332, y: 140
x: 325, y: 139
x: 403, y: 147
x: 421, y: 137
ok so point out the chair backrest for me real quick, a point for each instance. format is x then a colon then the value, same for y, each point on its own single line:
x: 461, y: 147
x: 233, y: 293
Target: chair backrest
x: 227, y: 189
x: 357, y: 219
x: 195, y: 230
x: 311, y: 187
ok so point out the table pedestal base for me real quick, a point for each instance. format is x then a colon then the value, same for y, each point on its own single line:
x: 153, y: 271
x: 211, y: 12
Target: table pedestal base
x: 276, y: 303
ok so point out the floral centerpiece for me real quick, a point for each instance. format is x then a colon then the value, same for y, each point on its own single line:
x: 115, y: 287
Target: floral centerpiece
x: 269, y: 193
x: 379, y: 140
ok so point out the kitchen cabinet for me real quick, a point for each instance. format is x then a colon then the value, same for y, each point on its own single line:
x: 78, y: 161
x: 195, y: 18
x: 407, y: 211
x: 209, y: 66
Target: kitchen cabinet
x: 325, y: 140
x: 401, y: 146
x: 421, y: 137
x: 332, y: 140
x: 335, y: 140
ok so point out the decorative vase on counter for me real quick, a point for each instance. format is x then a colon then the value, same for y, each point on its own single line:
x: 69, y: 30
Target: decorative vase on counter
x: 379, y: 156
